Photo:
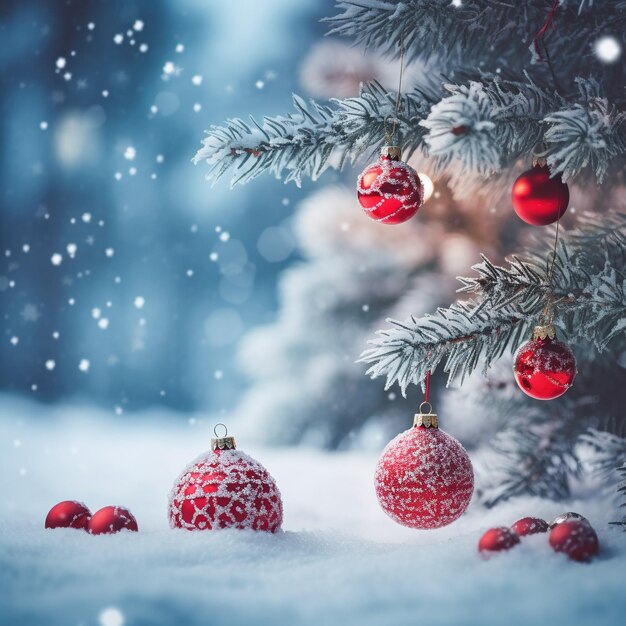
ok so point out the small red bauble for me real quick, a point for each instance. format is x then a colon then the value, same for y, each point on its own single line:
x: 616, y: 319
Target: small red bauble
x: 68, y: 514
x: 390, y: 190
x: 112, y: 519
x: 225, y: 488
x: 530, y: 526
x: 497, y: 539
x: 576, y: 538
x: 424, y: 478
x: 538, y: 199
x: 544, y: 368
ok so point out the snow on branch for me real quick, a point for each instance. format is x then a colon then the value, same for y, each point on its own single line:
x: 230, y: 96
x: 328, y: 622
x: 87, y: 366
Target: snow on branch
x: 589, y: 298
x: 477, y: 129
x: 315, y: 137
x: 468, y: 28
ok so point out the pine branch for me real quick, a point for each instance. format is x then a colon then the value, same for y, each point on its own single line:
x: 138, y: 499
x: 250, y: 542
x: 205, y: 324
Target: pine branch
x: 472, y: 27
x: 536, y: 461
x: 306, y: 143
x: 479, y: 129
x: 590, y: 301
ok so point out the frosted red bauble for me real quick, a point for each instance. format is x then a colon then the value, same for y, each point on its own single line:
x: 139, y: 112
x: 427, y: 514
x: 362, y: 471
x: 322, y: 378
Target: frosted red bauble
x: 68, y: 514
x: 538, y: 199
x: 577, y: 539
x: 112, y: 519
x: 424, y: 478
x: 390, y: 191
x: 225, y: 489
x: 530, y: 526
x: 544, y: 368
x: 498, y: 539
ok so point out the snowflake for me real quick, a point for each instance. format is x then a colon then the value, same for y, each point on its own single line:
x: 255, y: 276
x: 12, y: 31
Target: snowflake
x: 30, y: 313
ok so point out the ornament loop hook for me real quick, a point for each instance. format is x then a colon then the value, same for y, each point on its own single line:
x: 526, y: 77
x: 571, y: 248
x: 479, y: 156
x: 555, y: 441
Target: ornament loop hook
x: 225, y: 430
x: 430, y: 408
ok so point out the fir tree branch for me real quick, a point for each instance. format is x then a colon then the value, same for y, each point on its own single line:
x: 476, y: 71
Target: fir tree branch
x: 469, y: 28
x: 479, y: 129
x: 590, y: 298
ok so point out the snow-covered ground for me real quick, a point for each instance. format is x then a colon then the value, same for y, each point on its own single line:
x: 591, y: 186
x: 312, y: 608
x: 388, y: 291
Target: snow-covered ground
x: 340, y: 560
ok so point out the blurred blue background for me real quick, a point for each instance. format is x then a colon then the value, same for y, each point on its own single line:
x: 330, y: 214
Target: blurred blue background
x: 126, y: 280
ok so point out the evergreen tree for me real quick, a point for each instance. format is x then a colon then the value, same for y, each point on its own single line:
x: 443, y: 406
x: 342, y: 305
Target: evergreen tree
x: 527, y: 79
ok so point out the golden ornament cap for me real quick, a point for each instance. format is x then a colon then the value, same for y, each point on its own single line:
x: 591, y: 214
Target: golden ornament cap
x: 546, y: 331
x: 222, y: 443
x: 426, y: 419
x: 391, y: 152
x: 540, y: 161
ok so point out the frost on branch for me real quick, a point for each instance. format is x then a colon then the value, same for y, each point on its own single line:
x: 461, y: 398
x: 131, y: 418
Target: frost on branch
x: 468, y: 30
x: 315, y: 137
x: 479, y: 129
x: 589, y: 298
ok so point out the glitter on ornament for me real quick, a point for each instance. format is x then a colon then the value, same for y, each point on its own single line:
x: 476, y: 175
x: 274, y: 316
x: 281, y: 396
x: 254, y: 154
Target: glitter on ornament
x: 390, y: 191
x: 544, y: 368
x: 225, y: 488
x: 424, y: 478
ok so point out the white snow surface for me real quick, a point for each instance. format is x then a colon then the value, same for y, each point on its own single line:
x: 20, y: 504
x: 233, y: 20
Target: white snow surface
x: 338, y: 560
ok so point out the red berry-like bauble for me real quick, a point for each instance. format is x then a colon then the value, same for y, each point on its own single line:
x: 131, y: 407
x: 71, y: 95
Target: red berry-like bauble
x: 570, y: 516
x: 498, y: 539
x: 424, y: 478
x: 538, y: 199
x: 544, y: 368
x: 225, y: 488
x: 390, y: 190
x: 576, y: 538
x: 68, y: 514
x: 530, y: 526
x: 112, y: 519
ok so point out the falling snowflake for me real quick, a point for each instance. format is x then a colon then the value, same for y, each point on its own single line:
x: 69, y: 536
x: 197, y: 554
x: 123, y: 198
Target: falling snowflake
x: 56, y: 259
x: 84, y: 364
x: 130, y: 153
x: 50, y: 364
x: 30, y: 313
x: 118, y: 39
x: 111, y: 616
x: 139, y: 302
x: 61, y: 63
x: 197, y: 80
x: 138, y: 25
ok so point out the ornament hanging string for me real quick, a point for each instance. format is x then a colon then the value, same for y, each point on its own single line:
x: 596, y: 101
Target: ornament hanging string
x: 389, y: 136
x: 544, y: 29
x: 427, y: 386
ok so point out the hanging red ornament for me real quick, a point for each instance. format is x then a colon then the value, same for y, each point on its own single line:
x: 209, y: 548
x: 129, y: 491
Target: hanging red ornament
x: 424, y: 478
x: 538, y: 199
x: 111, y: 519
x: 530, y: 526
x: 498, y: 539
x: 390, y: 191
x: 225, y: 488
x: 68, y: 514
x: 544, y: 368
x: 576, y: 538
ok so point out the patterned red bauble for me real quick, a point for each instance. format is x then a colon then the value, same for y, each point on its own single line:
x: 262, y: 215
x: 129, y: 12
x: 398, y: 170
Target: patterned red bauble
x: 530, y: 526
x: 68, y: 514
x: 576, y: 538
x: 110, y: 520
x: 538, y: 199
x: 498, y: 539
x: 424, y: 478
x: 390, y: 190
x: 225, y: 488
x: 544, y: 368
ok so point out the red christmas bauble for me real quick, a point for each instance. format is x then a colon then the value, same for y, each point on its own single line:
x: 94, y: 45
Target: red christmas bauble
x: 570, y: 516
x: 498, y: 539
x: 576, y: 538
x: 424, y: 478
x: 225, y: 489
x: 544, y: 368
x: 112, y: 519
x: 390, y: 191
x: 530, y: 526
x: 68, y: 514
x: 538, y: 199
